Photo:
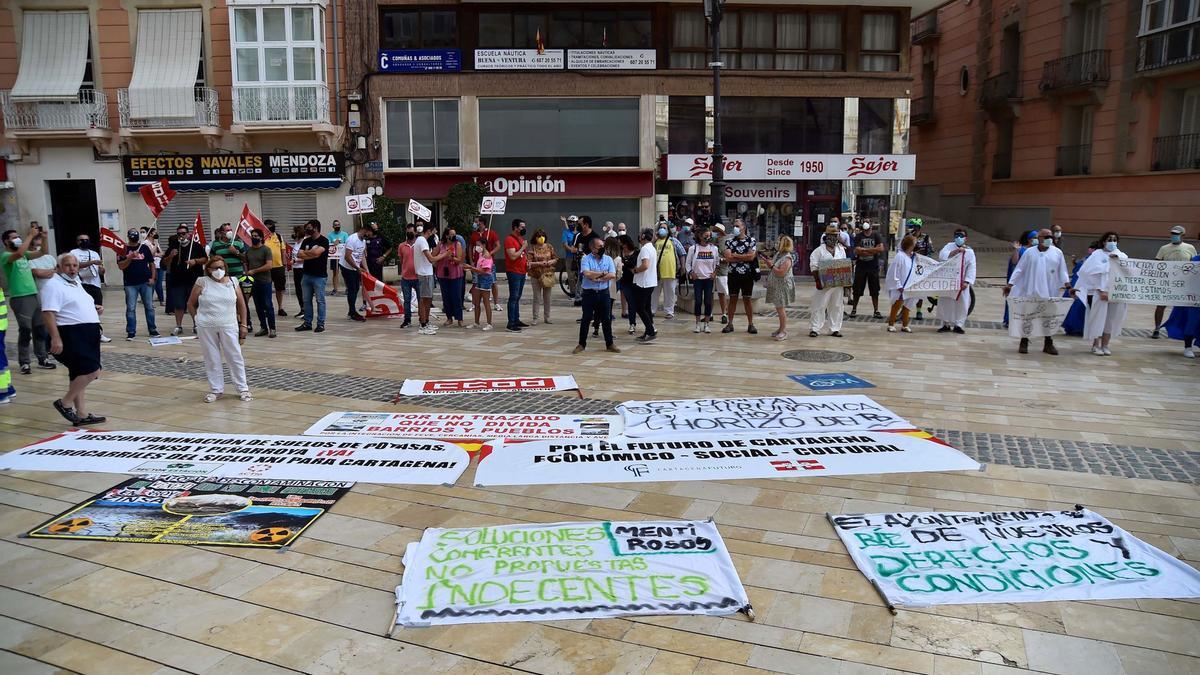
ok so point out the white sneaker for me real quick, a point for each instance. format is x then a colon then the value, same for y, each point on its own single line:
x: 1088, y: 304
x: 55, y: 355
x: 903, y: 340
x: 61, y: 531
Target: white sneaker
x: 495, y: 307
x: 177, y: 330
x: 1106, y: 351
x: 105, y: 338
x: 891, y: 329
x: 632, y: 330
x: 1097, y: 351
x: 487, y: 327
x: 697, y: 328
x: 1189, y: 353
x: 706, y: 328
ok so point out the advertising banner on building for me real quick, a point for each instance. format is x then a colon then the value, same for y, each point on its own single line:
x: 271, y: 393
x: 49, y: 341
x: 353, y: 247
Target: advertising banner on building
x: 361, y: 459
x: 586, y: 570
x: 519, y: 59
x: 787, y: 414
x: 523, y: 185
x: 761, y: 192
x: 935, y: 277
x: 716, y: 457
x: 166, y: 509
x: 795, y: 167
x: 466, y: 426
x: 1037, y: 317
x: 420, y: 60
x: 612, y: 59
x: 1155, y: 282
x: 922, y: 559
x: 237, y: 171
x: 488, y: 385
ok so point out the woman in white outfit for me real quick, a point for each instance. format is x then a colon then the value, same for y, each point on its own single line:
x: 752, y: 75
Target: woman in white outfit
x: 897, y: 276
x: 1104, y: 319
x: 217, y: 307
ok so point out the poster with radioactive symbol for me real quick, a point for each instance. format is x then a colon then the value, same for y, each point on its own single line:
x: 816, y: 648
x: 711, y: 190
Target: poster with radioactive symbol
x: 164, y: 509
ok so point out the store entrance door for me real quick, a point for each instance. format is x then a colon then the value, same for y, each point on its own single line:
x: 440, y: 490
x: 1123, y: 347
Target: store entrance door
x: 73, y: 212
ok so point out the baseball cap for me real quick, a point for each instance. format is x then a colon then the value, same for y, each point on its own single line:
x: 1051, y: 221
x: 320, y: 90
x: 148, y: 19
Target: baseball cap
x: 572, y: 218
x: 689, y: 221
x: 718, y: 226
x: 134, y: 232
x: 1178, y: 229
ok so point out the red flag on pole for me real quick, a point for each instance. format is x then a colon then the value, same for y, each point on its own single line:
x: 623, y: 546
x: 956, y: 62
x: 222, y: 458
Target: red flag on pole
x: 109, y: 239
x: 248, y: 223
x: 157, y: 195
x: 198, y: 231
x: 382, y: 300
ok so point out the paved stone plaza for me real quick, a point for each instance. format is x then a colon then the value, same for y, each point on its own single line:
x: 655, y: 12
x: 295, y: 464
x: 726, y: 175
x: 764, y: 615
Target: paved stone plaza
x: 1120, y: 435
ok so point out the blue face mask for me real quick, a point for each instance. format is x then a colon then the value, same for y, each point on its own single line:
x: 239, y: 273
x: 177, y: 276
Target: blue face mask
x: 1110, y: 246
x: 687, y: 228
x: 1176, y: 238
x: 960, y: 240
x: 736, y: 230
x: 662, y: 231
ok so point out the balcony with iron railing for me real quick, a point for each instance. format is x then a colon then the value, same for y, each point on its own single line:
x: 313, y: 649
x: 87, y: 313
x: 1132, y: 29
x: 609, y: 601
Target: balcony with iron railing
x: 1073, y: 160
x: 1174, y: 47
x: 999, y: 89
x: 922, y: 111
x: 1174, y: 153
x: 280, y: 104
x: 924, y: 28
x: 160, y: 113
x: 1086, y: 69
x: 54, y: 118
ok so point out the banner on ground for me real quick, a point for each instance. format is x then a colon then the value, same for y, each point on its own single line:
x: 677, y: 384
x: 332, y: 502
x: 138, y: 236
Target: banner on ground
x: 716, y: 457
x: 1037, y: 317
x: 467, y: 427
x: 921, y: 559
x: 166, y: 509
x: 935, y: 277
x: 786, y: 414
x: 567, y: 571
x: 364, y: 458
x: 381, y: 300
x: 488, y: 385
x: 1155, y: 282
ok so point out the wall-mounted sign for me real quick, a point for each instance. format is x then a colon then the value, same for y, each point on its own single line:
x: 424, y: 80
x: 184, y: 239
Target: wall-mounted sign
x: 420, y: 60
x: 519, y: 59
x: 236, y: 171
x: 524, y: 185
x: 761, y: 192
x: 795, y: 167
x: 612, y: 59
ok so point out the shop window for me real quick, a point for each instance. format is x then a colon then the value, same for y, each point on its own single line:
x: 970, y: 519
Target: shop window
x: 875, y: 126
x: 422, y: 133
x: 559, y: 132
x: 880, y: 42
x: 760, y: 40
x: 417, y: 29
x: 687, y: 122
x: 566, y: 29
x: 782, y: 125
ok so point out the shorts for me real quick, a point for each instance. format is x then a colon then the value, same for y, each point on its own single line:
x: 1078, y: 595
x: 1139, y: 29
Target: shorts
x: 178, y: 296
x: 96, y: 293
x: 425, y: 286
x: 333, y: 265
x: 484, y: 282
x: 279, y: 278
x: 741, y: 284
x: 721, y: 284
x: 81, y: 349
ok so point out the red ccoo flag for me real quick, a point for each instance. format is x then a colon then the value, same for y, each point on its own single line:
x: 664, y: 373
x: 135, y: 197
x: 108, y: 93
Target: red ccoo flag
x: 157, y: 195
x: 248, y: 223
x: 198, y: 231
x: 382, y: 300
x: 109, y: 239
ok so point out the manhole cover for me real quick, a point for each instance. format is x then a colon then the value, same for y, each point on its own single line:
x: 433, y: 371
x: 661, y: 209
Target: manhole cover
x: 817, y: 356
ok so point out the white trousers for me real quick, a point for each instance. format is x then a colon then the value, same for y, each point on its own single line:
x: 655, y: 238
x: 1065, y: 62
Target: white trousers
x: 1104, y: 318
x: 216, y: 343
x: 828, y: 301
x: 666, y: 289
x: 954, y: 312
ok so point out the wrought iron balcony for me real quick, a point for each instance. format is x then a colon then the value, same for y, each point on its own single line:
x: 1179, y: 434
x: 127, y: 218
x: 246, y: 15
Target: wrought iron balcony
x: 88, y: 111
x: 1073, y: 160
x: 276, y: 104
x: 159, y: 114
x: 999, y: 90
x: 1085, y: 69
x: 922, y: 110
x: 1002, y: 165
x: 924, y: 28
x: 1169, y: 48
x: 1172, y: 153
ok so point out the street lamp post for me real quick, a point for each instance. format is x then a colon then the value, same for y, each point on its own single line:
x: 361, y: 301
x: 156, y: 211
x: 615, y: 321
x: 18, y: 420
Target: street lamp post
x: 713, y: 11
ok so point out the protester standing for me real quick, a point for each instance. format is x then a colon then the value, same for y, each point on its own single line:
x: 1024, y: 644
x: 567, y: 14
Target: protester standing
x: 233, y: 251
x: 826, y: 302
x: 314, y: 256
x: 1184, y: 324
x: 378, y: 249
x: 670, y: 253
x: 1027, y: 241
x: 278, y: 268
x: 91, y: 273
x: 450, y: 276
x: 6, y: 389
x: 354, y: 251
x: 410, y: 285
x: 742, y: 255
x: 258, y: 265
x: 491, y: 241
x: 952, y: 309
x: 542, y: 263
x: 629, y: 262
x: 1174, y: 250
x: 297, y: 266
x: 336, y: 239
x: 136, y: 266
x: 701, y: 265
x: 721, y: 276
x: 423, y: 261
x: 184, y: 262
x: 645, y: 278
x: 781, y: 286
x: 73, y: 320
x: 219, y: 310
x: 1040, y: 273
x: 484, y: 269
x: 597, y: 271
x: 867, y: 249
x: 23, y: 298
x: 1104, y: 319
x: 898, y: 275
x: 515, y: 269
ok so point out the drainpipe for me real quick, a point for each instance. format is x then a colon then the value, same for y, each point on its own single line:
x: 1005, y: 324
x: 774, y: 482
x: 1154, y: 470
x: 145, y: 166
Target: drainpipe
x: 337, y: 69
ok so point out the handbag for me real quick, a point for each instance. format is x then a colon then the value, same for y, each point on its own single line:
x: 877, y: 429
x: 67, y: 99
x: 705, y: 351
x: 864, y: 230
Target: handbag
x: 547, y: 279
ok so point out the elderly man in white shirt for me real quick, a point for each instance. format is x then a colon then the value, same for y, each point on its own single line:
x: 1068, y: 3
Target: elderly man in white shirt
x: 72, y: 319
x: 1041, y: 273
x: 826, y: 301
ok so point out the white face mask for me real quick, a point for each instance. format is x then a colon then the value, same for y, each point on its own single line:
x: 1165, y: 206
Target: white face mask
x: 16, y: 242
x: 218, y: 273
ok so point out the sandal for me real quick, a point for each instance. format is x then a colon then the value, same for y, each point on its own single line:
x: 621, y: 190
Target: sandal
x: 781, y: 336
x: 92, y: 419
x: 68, y: 414
x: 211, y: 397
x: 245, y: 396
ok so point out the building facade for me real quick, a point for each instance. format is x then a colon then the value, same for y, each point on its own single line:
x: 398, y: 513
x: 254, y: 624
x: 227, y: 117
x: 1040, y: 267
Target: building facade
x: 1082, y: 113
x: 605, y: 109
x: 232, y: 101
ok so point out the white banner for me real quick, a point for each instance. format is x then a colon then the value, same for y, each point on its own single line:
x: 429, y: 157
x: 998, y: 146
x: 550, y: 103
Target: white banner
x: 612, y: 59
x: 367, y: 459
x: 761, y: 192
x: 487, y: 385
x: 935, y: 277
x: 518, y: 59
x: 786, y: 414
x: 466, y: 427
x: 1037, y: 317
x: 356, y: 204
x: 795, y: 167
x: 419, y: 210
x: 554, y: 571
x: 1155, y: 282
x: 493, y: 206
x: 716, y: 457
x: 921, y: 559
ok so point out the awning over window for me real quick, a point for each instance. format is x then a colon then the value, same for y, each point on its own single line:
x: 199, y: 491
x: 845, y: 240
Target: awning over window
x: 164, y: 67
x: 54, y: 49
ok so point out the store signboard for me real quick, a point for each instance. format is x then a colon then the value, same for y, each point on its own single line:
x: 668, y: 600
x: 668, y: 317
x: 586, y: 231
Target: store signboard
x: 519, y: 59
x: 612, y: 59
x: 761, y: 192
x: 523, y: 185
x: 795, y: 167
x: 420, y: 60
x: 236, y: 171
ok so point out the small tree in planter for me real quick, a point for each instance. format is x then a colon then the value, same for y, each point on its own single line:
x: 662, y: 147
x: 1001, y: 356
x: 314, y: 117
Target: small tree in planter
x: 462, y: 204
x: 391, y: 225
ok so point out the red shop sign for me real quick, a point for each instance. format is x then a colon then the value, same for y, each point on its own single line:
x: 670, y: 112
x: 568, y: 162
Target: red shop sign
x: 524, y: 184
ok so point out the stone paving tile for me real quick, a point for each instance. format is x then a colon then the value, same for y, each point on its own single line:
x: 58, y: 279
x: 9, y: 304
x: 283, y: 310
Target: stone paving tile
x: 1103, y: 459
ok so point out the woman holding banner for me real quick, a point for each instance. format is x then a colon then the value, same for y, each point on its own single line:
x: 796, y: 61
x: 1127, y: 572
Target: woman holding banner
x: 1104, y: 319
x: 898, y: 275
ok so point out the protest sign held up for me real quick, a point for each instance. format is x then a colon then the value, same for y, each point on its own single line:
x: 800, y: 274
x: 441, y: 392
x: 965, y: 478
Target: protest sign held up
x: 1155, y: 282
x: 933, y: 277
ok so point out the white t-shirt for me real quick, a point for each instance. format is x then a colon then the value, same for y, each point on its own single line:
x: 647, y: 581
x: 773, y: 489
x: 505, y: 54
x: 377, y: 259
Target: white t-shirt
x: 357, y: 247
x: 89, y: 275
x: 44, y: 262
x: 648, y: 278
x: 72, y: 304
x: 421, y: 264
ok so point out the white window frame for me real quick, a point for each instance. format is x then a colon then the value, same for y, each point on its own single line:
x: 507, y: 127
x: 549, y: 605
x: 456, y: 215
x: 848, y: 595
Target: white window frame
x: 385, y: 132
x: 288, y: 43
x: 1168, y: 10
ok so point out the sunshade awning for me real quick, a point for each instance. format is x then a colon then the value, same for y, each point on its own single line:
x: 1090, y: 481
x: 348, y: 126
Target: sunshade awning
x: 54, y: 49
x: 165, y: 64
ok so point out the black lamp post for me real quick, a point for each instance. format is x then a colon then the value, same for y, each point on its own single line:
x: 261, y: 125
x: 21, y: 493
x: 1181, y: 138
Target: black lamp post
x: 713, y: 11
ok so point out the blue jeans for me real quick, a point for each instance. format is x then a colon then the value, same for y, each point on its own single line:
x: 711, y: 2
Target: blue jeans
x: 409, y: 289
x: 703, y: 293
x: 134, y: 293
x: 452, y: 297
x: 314, y: 287
x: 264, y: 305
x: 158, y: 284
x: 516, y: 286
x: 353, y: 282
